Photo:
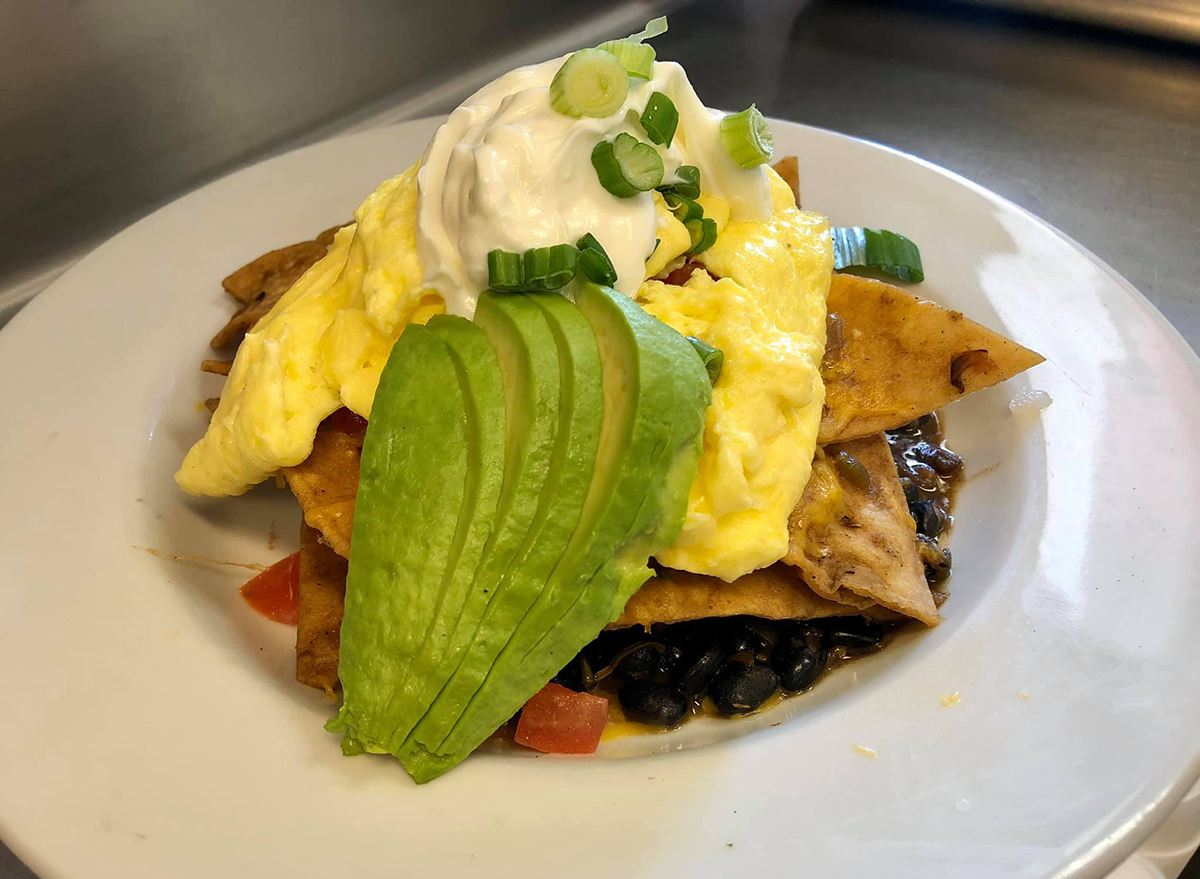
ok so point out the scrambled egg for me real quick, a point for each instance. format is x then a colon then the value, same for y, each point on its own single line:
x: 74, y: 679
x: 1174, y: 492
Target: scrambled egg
x: 767, y: 313
x: 321, y: 347
x: 325, y: 343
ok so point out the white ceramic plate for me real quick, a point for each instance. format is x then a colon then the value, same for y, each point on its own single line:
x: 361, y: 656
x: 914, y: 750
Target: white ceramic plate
x: 154, y: 728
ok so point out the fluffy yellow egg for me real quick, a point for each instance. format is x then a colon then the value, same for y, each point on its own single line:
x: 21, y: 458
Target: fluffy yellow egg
x: 767, y: 313
x: 322, y: 346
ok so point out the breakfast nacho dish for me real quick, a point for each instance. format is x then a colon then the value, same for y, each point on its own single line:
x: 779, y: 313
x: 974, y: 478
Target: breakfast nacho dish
x: 591, y: 426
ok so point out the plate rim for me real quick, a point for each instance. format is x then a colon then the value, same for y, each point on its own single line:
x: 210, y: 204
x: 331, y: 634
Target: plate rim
x: 1100, y: 858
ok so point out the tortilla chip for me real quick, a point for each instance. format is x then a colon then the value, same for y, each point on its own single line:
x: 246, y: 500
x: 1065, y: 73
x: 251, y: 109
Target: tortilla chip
x: 892, y: 357
x: 857, y: 546
x: 326, y: 483
x: 322, y: 596
x: 216, y: 367
x: 774, y: 593
x: 260, y: 284
x: 326, y: 237
x: 789, y: 169
x: 211, y: 404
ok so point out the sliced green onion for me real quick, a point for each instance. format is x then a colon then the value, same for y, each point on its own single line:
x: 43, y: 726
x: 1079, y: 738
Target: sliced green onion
x: 504, y: 271
x: 855, y: 246
x: 747, y: 137
x: 713, y: 358
x: 687, y: 182
x: 549, y: 268
x: 591, y: 82
x: 594, y: 262
x: 636, y: 58
x: 660, y: 119
x: 655, y: 27
x: 684, y: 209
x: 703, y: 232
x: 626, y: 166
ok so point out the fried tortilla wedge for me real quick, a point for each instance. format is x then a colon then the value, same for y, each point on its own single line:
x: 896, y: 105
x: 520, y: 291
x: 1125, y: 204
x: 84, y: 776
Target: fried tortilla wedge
x: 856, y: 544
x: 810, y: 586
x: 892, y: 357
x: 258, y: 285
x: 322, y: 596
x: 776, y: 593
x: 326, y: 483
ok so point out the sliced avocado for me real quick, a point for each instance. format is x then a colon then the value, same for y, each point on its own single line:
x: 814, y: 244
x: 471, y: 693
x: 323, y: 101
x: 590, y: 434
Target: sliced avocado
x: 508, y: 574
x: 402, y: 554
x: 457, y: 606
x: 655, y: 391
x: 581, y: 417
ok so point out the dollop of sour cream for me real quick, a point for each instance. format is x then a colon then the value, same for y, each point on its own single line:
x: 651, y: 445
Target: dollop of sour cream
x: 506, y: 171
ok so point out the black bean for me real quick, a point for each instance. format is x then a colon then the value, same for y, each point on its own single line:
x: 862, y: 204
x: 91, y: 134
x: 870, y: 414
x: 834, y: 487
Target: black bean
x: 797, y: 662
x: 944, y: 461
x: 670, y: 658
x: 912, y: 494
x: 924, y: 476
x: 739, y: 687
x: 640, y: 663
x: 570, y: 676
x: 738, y: 637
x: 608, y: 644
x: 653, y: 703
x: 929, y: 518
x: 856, y: 634
x: 937, y: 560
x: 701, y: 667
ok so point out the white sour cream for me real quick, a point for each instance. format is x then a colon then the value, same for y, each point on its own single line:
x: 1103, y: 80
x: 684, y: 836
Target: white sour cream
x: 507, y: 171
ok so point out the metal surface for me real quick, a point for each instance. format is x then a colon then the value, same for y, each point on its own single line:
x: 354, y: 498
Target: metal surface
x: 111, y: 108
x: 1096, y: 132
x: 1174, y: 19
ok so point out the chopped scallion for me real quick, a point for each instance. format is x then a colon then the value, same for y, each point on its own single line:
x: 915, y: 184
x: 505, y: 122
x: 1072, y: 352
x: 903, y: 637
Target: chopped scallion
x: 549, y: 268
x: 855, y: 246
x: 626, y: 166
x: 703, y: 232
x: 684, y: 209
x: 594, y: 262
x: 655, y: 27
x: 660, y: 119
x: 747, y: 137
x: 636, y: 58
x: 504, y: 271
x: 687, y: 183
x: 713, y: 358
x: 591, y: 82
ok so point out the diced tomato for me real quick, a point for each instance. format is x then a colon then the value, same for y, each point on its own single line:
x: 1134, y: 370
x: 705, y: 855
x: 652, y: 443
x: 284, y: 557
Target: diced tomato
x: 561, y: 721
x: 275, y: 593
x: 345, y: 421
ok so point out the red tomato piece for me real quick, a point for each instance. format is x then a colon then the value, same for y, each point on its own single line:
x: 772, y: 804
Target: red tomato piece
x: 561, y: 721
x: 275, y: 593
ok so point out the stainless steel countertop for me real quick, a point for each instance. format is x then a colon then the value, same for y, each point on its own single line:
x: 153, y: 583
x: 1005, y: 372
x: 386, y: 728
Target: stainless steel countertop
x: 1096, y: 132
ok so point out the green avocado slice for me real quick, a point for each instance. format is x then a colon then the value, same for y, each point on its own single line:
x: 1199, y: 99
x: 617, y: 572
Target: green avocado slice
x: 397, y: 571
x: 581, y: 417
x: 458, y: 607
x: 655, y: 392
x: 529, y: 515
